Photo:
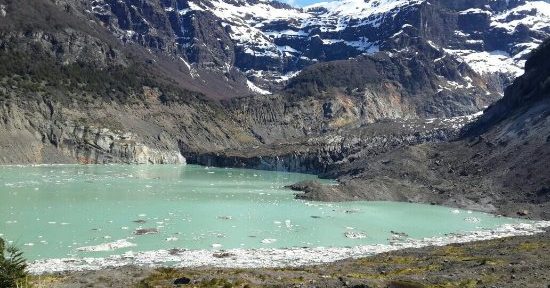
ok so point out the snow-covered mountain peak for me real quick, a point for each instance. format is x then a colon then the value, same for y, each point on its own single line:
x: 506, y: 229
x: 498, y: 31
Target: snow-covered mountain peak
x: 360, y: 8
x: 268, y: 40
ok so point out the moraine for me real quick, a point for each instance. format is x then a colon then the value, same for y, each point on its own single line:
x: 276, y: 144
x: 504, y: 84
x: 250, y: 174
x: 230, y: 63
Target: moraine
x: 67, y: 217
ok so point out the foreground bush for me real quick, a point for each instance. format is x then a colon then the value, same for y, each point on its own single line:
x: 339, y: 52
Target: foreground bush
x: 12, y: 266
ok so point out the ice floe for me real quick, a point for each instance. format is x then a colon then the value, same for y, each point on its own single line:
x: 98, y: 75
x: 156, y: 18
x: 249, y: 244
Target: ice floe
x: 355, y: 235
x: 472, y: 219
x: 269, y: 241
x: 119, y: 244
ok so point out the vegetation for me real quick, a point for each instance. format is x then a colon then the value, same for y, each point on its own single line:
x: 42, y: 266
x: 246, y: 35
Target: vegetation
x: 37, y: 74
x: 12, y: 266
x: 346, y: 75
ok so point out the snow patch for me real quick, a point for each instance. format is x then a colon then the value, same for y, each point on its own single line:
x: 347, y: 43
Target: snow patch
x: 533, y: 14
x: 489, y: 62
x: 256, y: 89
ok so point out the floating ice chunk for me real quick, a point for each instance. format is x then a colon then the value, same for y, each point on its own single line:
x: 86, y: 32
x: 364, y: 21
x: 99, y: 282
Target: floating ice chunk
x: 455, y: 211
x: 353, y: 210
x: 170, y: 239
x: 124, y: 228
x: 472, y: 219
x: 225, y: 217
x: 287, y: 224
x: 119, y: 244
x: 52, y: 222
x: 216, y: 245
x: 29, y: 244
x: 355, y: 235
x: 145, y: 231
x: 268, y: 241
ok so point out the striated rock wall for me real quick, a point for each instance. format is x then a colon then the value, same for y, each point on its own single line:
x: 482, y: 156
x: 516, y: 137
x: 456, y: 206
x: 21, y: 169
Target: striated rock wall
x: 41, y: 134
x: 101, y: 145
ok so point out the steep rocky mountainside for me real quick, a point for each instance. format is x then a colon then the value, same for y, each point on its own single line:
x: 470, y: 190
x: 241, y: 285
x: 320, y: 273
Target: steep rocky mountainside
x: 70, y: 91
x: 272, y: 41
x: 498, y: 165
x: 144, y: 81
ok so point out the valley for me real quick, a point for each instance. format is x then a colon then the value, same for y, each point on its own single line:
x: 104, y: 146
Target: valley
x: 440, y: 103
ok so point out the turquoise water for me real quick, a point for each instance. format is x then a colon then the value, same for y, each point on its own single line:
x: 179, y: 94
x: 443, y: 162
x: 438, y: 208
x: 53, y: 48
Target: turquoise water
x: 52, y: 211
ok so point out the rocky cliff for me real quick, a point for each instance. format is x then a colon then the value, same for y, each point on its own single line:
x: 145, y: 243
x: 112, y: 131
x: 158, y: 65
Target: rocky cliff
x: 48, y: 137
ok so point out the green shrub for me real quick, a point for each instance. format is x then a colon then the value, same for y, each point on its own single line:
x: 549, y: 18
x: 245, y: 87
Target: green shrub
x: 12, y: 266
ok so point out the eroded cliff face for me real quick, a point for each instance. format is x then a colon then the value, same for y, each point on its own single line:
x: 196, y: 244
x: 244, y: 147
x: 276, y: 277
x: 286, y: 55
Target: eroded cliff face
x: 46, y: 136
x: 90, y: 145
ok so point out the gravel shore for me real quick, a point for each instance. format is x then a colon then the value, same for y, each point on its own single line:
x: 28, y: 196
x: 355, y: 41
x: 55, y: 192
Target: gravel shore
x: 521, y: 261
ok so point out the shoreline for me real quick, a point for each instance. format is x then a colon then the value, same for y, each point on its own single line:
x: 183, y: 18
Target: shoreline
x: 270, y: 258
x: 505, y: 263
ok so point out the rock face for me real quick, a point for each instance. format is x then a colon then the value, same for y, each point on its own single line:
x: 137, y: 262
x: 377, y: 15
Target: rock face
x: 322, y: 154
x: 65, y: 70
x: 100, y: 145
x: 43, y: 140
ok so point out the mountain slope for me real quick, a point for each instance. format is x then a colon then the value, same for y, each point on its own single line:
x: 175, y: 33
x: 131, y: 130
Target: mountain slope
x: 71, y: 92
x: 499, y: 164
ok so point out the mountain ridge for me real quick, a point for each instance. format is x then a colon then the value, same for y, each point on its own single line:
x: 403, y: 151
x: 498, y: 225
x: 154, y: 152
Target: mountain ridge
x: 272, y: 41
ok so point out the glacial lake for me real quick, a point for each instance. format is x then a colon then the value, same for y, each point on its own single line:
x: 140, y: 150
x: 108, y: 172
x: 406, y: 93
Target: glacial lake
x: 61, y: 211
